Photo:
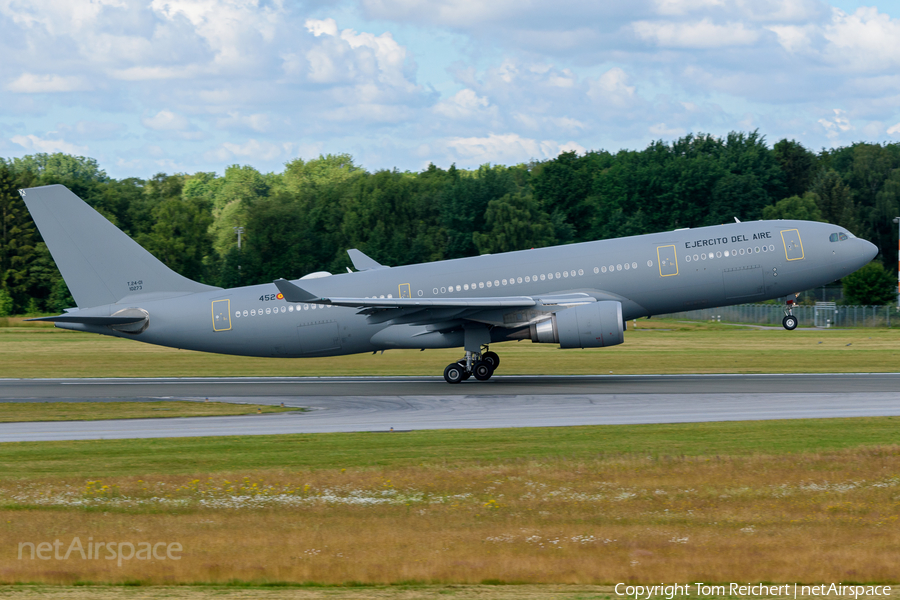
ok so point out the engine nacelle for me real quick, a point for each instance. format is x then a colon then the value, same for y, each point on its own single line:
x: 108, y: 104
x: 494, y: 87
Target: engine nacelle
x: 591, y: 325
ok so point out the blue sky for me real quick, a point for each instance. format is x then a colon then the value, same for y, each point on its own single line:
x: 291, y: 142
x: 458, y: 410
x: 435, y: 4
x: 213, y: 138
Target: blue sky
x: 189, y: 85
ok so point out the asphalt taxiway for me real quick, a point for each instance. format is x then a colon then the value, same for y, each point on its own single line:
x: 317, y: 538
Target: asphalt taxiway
x: 404, y: 403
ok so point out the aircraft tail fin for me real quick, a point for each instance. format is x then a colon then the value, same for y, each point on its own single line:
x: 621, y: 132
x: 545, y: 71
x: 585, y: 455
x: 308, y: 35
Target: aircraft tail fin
x: 100, y: 264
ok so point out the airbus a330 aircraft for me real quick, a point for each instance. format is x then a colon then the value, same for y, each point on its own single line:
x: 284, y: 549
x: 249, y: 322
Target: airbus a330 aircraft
x: 577, y: 296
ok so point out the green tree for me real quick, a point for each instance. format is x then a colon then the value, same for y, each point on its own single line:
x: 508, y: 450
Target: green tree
x: 871, y: 285
x: 514, y: 222
x: 6, y: 303
x: 835, y: 200
x: 241, y: 187
x: 798, y: 165
x: 180, y: 236
x: 805, y: 208
x: 17, y: 235
x: 59, y: 166
x: 881, y: 229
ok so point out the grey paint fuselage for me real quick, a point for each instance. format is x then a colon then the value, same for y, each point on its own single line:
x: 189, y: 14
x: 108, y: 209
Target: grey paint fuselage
x: 759, y: 265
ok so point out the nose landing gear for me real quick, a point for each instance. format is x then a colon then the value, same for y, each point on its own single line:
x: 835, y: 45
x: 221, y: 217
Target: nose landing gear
x: 789, y: 321
x: 481, y: 365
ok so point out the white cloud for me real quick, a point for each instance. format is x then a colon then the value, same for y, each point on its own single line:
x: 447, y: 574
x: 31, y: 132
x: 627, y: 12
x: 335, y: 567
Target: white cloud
x: 464, y: 104
x: 700, y: 34
x: 894, y: 129
x: 837, y: 124
x: 356, y: 57
x: 866, y: 40
x: 258, y: 122
x: 29, y: 83
x: 252, y: 149
x: 33, y: 143
x: 612, y: 88
x: 683, y: 7
x: 166, y: 120
x: 507, y: 148
x: 661, y: 129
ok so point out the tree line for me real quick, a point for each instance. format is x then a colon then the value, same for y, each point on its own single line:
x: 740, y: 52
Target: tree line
x: 304, y: 218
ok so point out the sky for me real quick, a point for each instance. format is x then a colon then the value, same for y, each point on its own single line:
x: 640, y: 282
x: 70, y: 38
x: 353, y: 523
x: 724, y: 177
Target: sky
x: 197, y: 85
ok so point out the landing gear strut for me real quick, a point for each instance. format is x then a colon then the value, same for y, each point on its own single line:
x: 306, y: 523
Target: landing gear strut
x: 789, y: 321
x: 481, y: 365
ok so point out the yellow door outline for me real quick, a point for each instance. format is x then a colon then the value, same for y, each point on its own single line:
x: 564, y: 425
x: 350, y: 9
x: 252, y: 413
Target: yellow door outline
x: 784, y: 243
x: 219, y: 325
x: 404, y: 291
x: 660, y: 260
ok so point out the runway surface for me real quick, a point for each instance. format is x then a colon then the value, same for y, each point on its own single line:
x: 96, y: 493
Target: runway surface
x: 404, y: 403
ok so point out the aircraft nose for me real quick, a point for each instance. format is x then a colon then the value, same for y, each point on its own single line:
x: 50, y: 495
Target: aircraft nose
x: 869, y: 251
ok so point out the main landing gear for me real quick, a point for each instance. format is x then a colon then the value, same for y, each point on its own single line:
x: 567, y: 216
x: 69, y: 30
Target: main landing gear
x: 481, y: 365
x: 789, y: 321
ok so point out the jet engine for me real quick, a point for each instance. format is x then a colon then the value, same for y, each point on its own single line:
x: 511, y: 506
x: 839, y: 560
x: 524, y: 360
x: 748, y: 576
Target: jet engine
x: 591, y: 325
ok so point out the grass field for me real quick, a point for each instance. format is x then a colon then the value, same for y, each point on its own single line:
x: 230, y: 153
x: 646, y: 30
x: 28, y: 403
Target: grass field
x: 813, y: 500
x: 656, y: 346
x: 560, y: 512
x: 12, y: 412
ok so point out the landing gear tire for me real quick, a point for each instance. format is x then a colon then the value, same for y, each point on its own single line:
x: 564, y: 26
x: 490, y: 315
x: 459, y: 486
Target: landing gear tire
x: 482, y: 370
x: 454, y: 373
x: 492, y: 358
x: 790, y: 322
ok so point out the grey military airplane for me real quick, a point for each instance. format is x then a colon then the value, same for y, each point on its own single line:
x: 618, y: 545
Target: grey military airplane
x: 577, y: 296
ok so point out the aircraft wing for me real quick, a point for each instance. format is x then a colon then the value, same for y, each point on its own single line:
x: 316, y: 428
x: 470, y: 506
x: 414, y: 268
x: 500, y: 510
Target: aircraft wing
x: 431, y: 310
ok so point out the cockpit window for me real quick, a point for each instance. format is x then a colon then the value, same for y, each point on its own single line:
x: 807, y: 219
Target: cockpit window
x: 843, y: 236
x: 837, y: 237
x: 833, y: 237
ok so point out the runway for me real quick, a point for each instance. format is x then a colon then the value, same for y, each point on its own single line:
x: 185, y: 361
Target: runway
x: 345, y: 404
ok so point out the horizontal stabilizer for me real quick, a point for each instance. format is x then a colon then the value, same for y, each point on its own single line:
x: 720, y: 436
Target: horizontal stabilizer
x: 91, y: 320
x: 294, y: 293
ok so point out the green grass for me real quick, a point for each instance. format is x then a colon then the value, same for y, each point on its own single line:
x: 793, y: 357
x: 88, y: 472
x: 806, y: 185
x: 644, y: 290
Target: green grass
x: 108, y: 458
x: 12, y: 412
x: 657, y: 346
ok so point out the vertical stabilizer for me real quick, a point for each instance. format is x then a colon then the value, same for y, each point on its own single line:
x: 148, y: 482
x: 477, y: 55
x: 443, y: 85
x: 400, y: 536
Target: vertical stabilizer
x: 100, y: 264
